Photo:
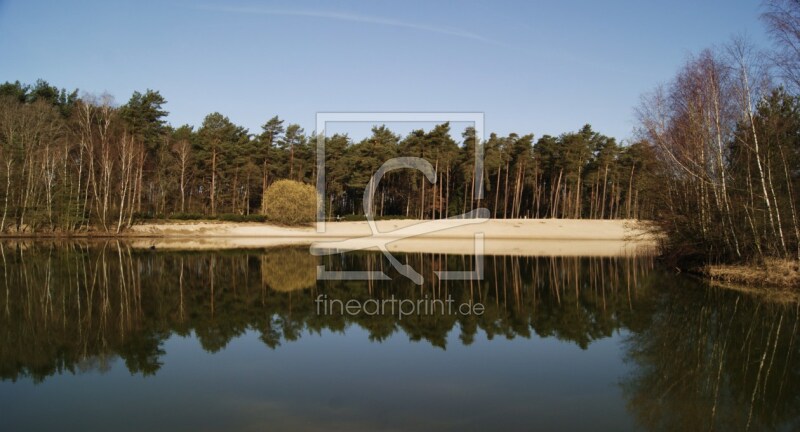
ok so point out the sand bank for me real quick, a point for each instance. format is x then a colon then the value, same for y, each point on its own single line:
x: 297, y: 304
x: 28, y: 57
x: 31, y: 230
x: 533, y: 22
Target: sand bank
x: 546, y: 237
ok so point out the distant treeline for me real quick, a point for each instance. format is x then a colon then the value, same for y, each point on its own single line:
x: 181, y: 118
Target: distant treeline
x: 70, y: 163
x: 716, y: 162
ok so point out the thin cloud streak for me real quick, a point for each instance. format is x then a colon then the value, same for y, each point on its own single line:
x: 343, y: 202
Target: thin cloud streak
x: 343, y: 16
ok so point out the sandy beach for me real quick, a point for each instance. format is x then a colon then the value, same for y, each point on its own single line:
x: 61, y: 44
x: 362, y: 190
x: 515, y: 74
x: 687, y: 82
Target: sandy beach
x: 545, y: 237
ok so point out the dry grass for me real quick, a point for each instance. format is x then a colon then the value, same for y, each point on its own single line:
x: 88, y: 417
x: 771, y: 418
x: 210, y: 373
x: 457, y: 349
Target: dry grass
x: 771, y: 273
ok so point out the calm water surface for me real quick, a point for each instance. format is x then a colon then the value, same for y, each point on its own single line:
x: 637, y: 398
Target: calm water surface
x: 103, y: 337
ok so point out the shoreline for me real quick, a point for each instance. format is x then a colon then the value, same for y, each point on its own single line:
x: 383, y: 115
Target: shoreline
x: 541, y: 229
x: 772, y: 275
x: 524, y: 237
x: 532, y: 237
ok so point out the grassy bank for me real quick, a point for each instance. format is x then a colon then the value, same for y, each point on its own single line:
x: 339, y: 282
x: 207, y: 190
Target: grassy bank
x: 775, y: 273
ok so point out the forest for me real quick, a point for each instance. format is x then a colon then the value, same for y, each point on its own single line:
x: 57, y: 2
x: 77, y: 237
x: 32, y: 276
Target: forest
x: 714, y: 162
x: 72, y: 163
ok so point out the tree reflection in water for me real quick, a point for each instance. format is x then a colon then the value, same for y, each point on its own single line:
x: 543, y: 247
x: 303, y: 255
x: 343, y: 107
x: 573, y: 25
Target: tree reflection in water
x: 70, y: 306
x: 714, y: 359
x: 701, y: 358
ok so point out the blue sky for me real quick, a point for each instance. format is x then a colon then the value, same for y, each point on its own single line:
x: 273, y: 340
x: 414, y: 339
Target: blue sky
x: 531, y: 67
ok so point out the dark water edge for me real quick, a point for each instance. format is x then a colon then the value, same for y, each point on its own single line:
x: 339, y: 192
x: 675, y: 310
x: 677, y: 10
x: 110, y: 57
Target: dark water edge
x: 100, y: 336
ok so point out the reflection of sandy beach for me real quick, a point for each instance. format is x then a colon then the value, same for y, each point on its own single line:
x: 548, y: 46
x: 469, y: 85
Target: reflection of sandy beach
x: 565, y: 237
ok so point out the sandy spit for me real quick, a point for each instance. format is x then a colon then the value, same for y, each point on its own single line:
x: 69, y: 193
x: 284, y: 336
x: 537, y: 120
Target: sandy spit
x: 534, y: 237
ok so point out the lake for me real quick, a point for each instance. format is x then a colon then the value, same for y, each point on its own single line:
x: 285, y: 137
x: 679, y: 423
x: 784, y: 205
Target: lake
x: 100, y: 336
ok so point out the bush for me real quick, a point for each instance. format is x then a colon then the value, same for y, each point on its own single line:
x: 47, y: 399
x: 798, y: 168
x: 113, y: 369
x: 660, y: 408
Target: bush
x: 188, y: 216
x: 290, y: 203
x: 361, y: 217
x: 226, y: 217
x: 242, y: 218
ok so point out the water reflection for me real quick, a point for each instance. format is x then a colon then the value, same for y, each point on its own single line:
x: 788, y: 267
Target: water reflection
x: 696, y: 358
x: 75, y: 307
x: 288, y: 269
x: 711, y: 359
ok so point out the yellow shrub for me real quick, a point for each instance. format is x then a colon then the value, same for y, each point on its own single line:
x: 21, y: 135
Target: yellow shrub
x: 290, y: 203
